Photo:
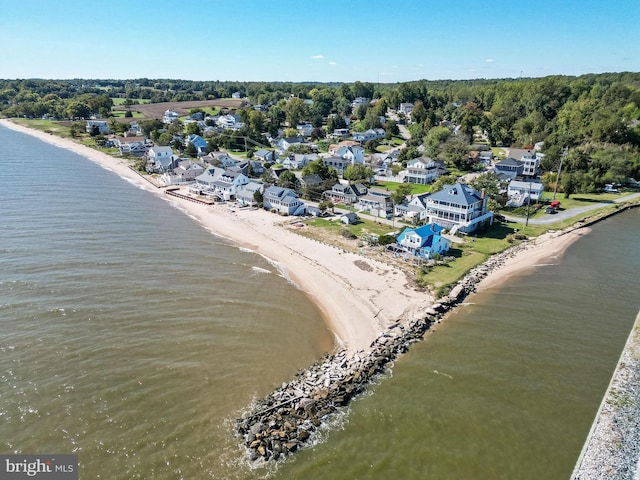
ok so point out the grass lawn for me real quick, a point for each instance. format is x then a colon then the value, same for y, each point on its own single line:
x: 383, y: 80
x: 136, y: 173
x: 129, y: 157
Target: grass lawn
x: 120, y: 101
x: 47, y: 126
x: 467, y: 255
x: 393, y: 186
x: 121, y: 114
x: 360, y: 229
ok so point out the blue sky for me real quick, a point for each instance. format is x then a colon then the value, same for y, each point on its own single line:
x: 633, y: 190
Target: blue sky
x: 323, y: 40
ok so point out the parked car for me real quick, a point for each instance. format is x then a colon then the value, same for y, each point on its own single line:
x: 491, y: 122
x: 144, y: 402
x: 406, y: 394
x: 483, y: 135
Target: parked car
x: 550, y: 210
x: 499, y: 217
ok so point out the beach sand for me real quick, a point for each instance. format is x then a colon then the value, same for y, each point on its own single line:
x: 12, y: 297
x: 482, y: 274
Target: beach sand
x: 358, y: 296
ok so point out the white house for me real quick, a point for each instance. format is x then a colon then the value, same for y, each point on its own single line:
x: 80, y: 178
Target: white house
x: 458, y: 207
x: 186, y: 172
x: 283, y: 200
x: 423, y: 170
x: 520, y: 193
x: 245, y: 194
x: 305, y: 129
x: 160, y: 157
x: 169, y: 116
x: 299, y: 160
x: 285, y: 143
x: 102, y: 125
x: 376, y: 203
x: 230, y: 122
x: 349, y: 150
x: 415, y: 208
x: 406, y: 109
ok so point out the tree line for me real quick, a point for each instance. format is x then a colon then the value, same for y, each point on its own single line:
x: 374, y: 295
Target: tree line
x: 595, y: 118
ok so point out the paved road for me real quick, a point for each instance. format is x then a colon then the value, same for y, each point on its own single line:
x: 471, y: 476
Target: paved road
x: 572, y: 212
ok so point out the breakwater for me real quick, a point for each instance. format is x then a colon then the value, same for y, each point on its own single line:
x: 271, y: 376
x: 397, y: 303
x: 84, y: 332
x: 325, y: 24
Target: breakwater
x: 613, y: 445
x: 288, y: 418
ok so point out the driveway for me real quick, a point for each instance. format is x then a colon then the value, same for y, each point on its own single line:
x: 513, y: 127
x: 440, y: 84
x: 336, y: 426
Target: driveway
x: 572, y: 212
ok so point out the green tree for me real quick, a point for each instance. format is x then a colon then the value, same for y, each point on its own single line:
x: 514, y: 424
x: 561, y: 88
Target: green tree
x: 401, y: 193
x: 287, y: 179
x: 296, y: 111
x: 357, y: 172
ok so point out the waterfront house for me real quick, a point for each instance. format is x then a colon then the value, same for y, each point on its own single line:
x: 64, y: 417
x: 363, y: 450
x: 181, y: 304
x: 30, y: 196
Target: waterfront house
x: 283, y: 200
x: 100, y: 125
x: 205, y: 182
x: 134, y: 145
x: 376, y: 203
x: 161, y: 159
x: 458, y: 207
x: 530, y: 161
x: 245, y: 194
x: 347, y: 194
x: 423, y: 242
x: 350, y: 218
x: 520, y: 193
x: 186, y: 172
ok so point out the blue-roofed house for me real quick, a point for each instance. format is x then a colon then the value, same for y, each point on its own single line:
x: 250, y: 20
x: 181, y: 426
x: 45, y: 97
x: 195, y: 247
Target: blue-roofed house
x: 424, y: 242
x: 283, y: 200
x: 198, y: 142
x: 458, y: 207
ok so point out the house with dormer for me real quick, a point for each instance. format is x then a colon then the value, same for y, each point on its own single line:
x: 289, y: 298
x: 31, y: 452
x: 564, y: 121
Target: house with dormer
x: 422, y: 242
x: 377, y: 203
x: 458, y: 207
x: 347, y: 194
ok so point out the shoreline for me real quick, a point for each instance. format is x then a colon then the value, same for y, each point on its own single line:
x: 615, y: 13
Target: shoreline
x: 371, y: 307
x: 359, y: 297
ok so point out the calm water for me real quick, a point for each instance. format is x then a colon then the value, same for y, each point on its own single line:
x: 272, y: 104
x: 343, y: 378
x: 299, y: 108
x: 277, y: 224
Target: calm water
x: 133, y: 337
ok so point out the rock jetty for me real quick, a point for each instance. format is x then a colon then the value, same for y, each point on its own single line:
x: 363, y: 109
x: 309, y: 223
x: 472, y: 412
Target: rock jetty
x: 288, y: 418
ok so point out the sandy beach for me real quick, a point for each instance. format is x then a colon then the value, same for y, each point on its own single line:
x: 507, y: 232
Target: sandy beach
x: 359, y: 297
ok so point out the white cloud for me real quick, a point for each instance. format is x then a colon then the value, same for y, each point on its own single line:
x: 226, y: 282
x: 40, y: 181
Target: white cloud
x: 318, y: 57
x: 489, y: 60
x: 332, y: 63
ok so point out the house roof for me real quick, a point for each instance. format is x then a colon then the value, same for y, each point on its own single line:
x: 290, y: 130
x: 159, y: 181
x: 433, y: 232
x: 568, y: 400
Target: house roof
x: 509, y: 162
x: 533, y: 186
x: 459, y: 194
x: 427, y: 233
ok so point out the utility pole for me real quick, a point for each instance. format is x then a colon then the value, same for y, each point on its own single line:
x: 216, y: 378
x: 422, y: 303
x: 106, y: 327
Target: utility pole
x: 555, y: 189
x: 526, y: 224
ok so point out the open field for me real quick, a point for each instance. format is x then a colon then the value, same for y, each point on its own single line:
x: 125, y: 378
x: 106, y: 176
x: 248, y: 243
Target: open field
x: 156, y: 110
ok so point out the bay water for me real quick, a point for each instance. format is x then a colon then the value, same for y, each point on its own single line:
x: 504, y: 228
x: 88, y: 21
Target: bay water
x: 133, y: 337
